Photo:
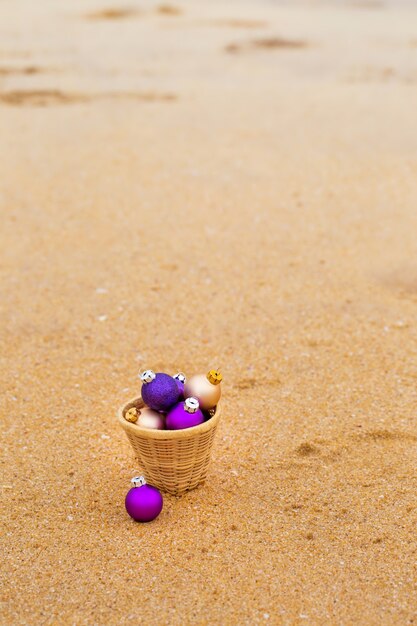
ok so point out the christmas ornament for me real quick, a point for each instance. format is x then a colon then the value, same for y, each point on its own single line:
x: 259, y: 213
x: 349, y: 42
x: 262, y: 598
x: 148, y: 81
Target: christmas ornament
x: 159, y: 391
x: 131, y: 415
x: 205, y: 388
x: 143, y: 502
x: 149, y: 418
x: 184, y: 415
x: 180, y: 380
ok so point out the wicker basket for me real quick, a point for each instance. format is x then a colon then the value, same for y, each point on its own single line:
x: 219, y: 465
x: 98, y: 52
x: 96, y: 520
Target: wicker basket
x: 175, y: 461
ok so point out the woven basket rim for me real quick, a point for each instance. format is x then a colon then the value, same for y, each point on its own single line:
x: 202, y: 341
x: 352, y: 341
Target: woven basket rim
x: 149, y: 433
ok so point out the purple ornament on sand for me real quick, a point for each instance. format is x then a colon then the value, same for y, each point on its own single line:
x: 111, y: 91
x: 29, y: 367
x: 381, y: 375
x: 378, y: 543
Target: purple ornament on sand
x: 159, y: 391
x: 184, y: 415
x: 180, y: 380
x: 143, y: 502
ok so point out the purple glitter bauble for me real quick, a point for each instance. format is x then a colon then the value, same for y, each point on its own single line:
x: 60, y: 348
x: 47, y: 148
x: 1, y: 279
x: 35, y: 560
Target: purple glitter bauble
x: 179, y: 418
x: 180, y: 380
x: 161, y: 393
x: 144, y: 503
x: 180, y: 386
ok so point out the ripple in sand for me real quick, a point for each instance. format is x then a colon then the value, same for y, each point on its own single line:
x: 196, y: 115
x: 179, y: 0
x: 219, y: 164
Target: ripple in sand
x: 30, y: 70
x: 121, y: 13
x: 52, y: 97
x: 267, y: 43
x: 366, y: 4
x: 238, y: 23
x: 39, y: 97
x: 168, y: 9
x: 116, y: 13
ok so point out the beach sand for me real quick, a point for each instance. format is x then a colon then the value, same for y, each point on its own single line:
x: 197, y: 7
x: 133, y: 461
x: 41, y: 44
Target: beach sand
x: 195, y: 185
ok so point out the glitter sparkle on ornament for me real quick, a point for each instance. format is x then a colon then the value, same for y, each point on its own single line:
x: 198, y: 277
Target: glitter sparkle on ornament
x: 159, y: 391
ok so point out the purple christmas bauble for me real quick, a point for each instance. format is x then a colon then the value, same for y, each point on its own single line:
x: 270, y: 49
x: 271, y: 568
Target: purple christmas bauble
x: 161, y: 392
x: 180, y: 416
x: 143, y: 503
x: 180, y: 386
x: 180, y: 380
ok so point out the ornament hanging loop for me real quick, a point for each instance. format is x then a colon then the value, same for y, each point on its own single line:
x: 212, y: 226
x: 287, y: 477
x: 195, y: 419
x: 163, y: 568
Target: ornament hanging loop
x: 147, y: 376
x: 138, y: 481
x: 191, y: 405
x: 214, y: 377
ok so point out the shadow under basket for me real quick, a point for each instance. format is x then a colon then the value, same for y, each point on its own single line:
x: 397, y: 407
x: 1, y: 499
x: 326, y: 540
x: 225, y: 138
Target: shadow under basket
x: 175, y: 461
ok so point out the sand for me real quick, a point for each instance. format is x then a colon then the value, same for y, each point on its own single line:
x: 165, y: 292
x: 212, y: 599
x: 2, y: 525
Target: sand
x: 225, y: 184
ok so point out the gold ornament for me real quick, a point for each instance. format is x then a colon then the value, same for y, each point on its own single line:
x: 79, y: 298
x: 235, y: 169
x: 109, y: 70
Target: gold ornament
x: 132, y: 415
x: 201, y: 387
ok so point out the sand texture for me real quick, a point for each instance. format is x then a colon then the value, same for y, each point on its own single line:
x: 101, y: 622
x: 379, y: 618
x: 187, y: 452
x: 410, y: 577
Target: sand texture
x: 210, y: 184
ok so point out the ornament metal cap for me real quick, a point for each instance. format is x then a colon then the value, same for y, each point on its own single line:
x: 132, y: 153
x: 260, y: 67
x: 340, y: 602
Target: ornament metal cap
x: 132, y: 415
x: 214, y: 377
x: 181, y: 377
x: 138, y: 481
x: 147, y: 376
x: 191, y: 405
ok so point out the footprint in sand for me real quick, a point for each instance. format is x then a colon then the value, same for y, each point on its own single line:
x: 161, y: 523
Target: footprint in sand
x: 307, y: 449
x: 333, y: 450
x: 402, y: 281
x: 387, y: 435
x: 251, y: 383
x: 246, y: 383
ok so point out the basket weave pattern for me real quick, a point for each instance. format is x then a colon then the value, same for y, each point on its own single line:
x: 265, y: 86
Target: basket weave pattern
x: 175, y: 461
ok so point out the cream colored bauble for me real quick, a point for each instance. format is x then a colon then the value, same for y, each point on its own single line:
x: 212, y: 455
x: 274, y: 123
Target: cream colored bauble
x: 206, y: 388
x: 149, y: 418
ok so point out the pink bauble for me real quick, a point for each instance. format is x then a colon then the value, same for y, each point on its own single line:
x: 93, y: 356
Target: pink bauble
x: 149, y: 418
